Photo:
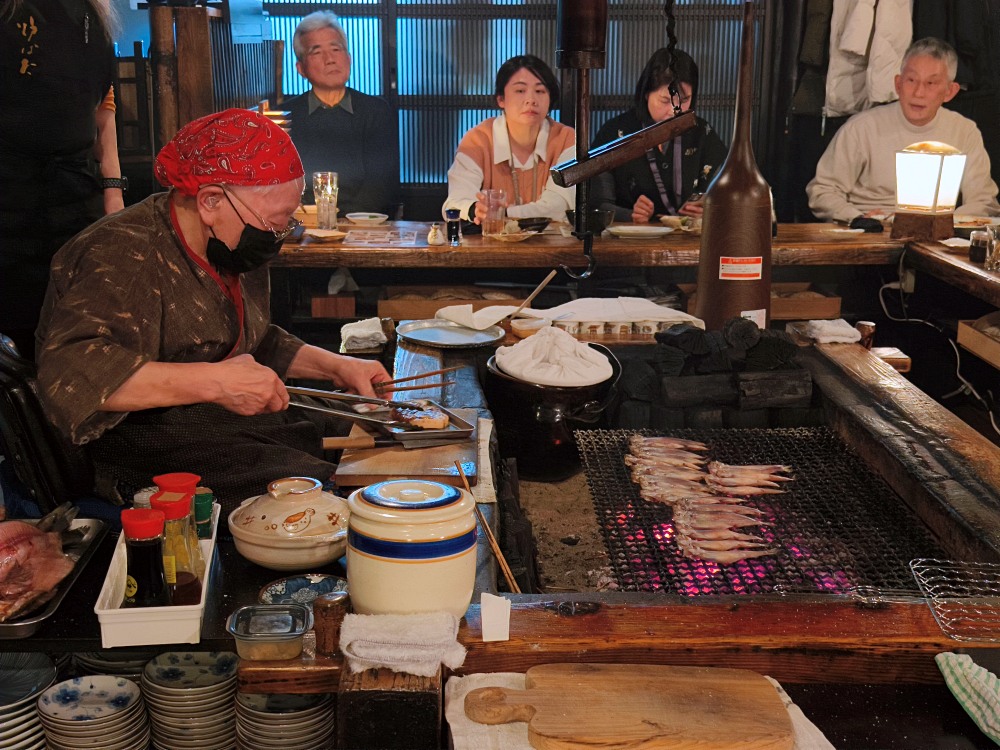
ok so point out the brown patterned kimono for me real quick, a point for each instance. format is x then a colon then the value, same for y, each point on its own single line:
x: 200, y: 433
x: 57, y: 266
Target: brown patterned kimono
x: 125, y: 292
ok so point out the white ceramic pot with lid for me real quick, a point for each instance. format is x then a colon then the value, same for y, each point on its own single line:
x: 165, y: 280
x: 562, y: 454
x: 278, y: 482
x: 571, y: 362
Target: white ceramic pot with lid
x: 411, y: 548
x: 296, y: 526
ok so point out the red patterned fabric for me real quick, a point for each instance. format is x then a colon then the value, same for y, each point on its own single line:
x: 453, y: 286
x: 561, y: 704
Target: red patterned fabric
x: 234, y: 147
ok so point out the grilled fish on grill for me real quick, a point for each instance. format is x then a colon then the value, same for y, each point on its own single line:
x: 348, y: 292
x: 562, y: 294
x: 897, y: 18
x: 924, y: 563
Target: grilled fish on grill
x: 707, y: 497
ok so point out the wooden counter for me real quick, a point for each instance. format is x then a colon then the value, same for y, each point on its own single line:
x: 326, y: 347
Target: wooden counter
x: 796, y: 244
x: 952, y: 266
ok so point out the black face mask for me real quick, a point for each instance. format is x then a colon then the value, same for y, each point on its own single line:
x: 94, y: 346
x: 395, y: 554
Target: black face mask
x: 255, y: 248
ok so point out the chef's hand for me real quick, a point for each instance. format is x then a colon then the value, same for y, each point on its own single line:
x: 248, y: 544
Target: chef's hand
x: 247, y: 388
x: 642, y: 211
x: 358, y: 375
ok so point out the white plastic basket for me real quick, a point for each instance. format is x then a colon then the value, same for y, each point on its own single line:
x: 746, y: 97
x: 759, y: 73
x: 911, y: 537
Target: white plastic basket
x: 148, y: 626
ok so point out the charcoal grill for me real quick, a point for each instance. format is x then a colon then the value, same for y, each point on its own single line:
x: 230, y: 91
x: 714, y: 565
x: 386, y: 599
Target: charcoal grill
x: 839, y: 528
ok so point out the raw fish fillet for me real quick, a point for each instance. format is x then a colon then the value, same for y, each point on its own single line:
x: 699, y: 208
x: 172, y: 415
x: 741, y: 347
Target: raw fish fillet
x: 32, y: 564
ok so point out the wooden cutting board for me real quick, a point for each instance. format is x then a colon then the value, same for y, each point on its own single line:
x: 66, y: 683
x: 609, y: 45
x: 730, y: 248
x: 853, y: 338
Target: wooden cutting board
x: 361, y: 467
x: 640, y: 706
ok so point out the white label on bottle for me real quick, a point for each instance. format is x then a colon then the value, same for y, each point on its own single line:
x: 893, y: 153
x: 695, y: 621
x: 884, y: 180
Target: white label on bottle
x: 757, y: 316
x: 740, y: 269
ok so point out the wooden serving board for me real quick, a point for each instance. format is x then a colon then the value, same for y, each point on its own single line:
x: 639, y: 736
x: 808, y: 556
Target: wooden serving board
x: 360, y: 467
x: 640, y: 706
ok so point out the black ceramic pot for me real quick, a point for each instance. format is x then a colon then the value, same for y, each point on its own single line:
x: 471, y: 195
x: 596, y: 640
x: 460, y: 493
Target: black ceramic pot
x: 535, y: 423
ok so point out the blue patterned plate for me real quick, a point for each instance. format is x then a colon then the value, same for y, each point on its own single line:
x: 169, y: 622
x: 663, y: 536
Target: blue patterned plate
x: 300, y: 589
x: 191, y: 670
x: 88, y: 698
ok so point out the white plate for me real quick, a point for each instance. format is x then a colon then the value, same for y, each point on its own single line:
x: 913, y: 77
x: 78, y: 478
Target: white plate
x: 191, y: 670
x: 645, y: 232
x: 365, y: 219
x: 90, y: 698
x: 975, y: 222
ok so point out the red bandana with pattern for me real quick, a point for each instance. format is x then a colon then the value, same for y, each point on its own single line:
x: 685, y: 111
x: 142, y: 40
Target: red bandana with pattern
x: 234, y: 147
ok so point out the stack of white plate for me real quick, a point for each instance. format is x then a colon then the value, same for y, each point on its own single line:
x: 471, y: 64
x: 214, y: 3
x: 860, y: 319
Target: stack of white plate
x: 126, y: 664
x: 23, y: 677
x: 64, y: 664
x: 190, y: 700
x: 264, y: 721
x: 95, y: 712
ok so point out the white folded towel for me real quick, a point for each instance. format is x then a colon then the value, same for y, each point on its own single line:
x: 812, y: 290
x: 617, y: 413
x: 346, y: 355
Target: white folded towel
x: 837, y: 331
x: 976, y: 689
x: 554, y: 357
x: 416, y: 644
x: 364, y: 334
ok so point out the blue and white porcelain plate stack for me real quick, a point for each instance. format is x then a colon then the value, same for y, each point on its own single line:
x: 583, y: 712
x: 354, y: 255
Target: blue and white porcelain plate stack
x: 190, y: 697
x: 23, y: 677
x: 265, y: 721
x: 94, y: 712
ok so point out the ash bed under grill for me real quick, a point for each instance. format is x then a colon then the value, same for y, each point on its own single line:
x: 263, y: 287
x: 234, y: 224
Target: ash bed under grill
x: 838, y: 527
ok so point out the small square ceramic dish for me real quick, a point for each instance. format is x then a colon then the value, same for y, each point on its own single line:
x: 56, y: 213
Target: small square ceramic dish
x: 269, y: 631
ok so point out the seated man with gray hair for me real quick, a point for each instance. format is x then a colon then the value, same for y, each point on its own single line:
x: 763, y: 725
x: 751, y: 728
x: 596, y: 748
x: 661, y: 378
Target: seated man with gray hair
x: 856, y: 176
x: 339, y: 129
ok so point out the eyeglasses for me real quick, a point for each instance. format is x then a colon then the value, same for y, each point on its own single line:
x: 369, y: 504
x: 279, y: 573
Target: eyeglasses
x: 279, y: 234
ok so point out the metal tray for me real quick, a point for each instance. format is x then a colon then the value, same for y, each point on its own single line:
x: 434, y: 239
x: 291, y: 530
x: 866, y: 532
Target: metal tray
x: 457, y: 427
x: 446, y: 334
x: 80, y: 552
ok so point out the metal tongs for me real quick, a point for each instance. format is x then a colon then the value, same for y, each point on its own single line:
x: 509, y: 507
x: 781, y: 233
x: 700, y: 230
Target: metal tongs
x: 351, y: 398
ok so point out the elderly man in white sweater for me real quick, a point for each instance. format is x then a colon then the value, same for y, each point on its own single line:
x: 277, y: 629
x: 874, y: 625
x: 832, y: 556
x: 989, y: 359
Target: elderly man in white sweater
x: 856, y: 177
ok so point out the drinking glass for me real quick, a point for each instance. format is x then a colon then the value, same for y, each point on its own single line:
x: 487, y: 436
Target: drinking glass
x: 993, y: 248
x: 496, y: 211
x: 325, y: 192
x: 324, y: 183
x: 326, y: 210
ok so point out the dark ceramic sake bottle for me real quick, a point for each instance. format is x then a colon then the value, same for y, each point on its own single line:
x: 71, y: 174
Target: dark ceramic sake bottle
x: 734, y: 269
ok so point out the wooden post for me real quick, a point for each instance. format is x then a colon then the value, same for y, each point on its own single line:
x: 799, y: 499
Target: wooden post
x: 163, y: 59
x: 194, y: 64
x: 278, y: 50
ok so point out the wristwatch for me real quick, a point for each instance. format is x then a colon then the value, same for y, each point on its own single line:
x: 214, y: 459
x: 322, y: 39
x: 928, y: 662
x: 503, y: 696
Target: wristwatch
x: 114, y: 182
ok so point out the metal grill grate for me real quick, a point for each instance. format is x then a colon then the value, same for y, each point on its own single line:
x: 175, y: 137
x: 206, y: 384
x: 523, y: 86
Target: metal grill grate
x: 839, y: 527
x: 964, y: 597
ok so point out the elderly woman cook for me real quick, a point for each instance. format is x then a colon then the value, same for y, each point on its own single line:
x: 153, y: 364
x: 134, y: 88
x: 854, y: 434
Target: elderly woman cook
x: 158, y: 350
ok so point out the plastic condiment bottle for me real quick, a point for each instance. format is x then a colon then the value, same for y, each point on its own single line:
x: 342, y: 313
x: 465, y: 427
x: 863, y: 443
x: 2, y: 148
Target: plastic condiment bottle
x: 203, y: 500
x: 175, y: 486
x: 145, y: 581
x: 179, y: 559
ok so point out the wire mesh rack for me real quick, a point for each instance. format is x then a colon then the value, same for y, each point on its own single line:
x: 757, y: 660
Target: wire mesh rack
x: 964, y: 597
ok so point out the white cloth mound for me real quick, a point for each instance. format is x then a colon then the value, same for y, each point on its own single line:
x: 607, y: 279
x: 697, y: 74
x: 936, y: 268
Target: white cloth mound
x: 837, y: 331
x: 364, y: 334
x: 416, y: 644
x: 554, y: 357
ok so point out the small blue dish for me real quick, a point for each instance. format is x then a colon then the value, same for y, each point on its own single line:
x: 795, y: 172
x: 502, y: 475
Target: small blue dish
x: 301, y: 589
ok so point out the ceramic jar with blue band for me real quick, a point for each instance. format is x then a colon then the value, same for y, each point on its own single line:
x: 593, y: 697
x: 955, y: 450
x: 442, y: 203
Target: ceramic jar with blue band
x: 411, y: 548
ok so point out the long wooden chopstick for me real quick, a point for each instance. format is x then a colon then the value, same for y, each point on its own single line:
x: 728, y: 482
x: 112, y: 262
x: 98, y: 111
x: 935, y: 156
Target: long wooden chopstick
x: 501, y: 560
x: 394, y: 389
x: 385, y: 383
x: 539, y: 288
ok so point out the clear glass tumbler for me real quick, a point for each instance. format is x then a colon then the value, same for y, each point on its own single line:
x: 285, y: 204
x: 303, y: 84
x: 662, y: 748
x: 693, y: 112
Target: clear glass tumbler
x: 496, y: 211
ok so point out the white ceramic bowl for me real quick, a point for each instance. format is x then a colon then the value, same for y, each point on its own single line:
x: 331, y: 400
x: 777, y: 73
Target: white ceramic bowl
x: 295, y: 527
x: 363, y: 218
